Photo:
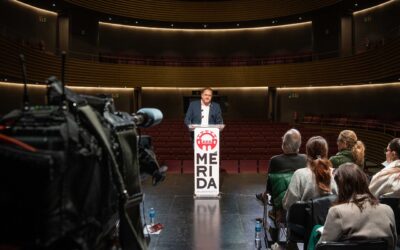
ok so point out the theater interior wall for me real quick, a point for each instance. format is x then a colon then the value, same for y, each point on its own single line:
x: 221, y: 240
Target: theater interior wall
x: 378, y: 101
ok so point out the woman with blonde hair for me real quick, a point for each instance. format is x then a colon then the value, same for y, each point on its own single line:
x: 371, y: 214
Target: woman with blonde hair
x: 350, y: 149
x: 316, y: 179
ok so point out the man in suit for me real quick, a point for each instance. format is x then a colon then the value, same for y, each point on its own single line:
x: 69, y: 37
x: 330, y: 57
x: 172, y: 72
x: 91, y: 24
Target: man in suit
x: 204, y: 111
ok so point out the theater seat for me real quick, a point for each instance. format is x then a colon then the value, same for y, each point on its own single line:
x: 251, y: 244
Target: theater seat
x: 248, y: 166
x: 303, y: 216
x: 174, y: 166
x: 353, y: 245
x: 263, y: 166
x: 394, y: 203
x: 230, y: 166
x: 188, y: 166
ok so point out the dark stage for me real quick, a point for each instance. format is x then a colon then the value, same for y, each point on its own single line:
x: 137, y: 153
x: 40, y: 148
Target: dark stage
x: 227, y: 223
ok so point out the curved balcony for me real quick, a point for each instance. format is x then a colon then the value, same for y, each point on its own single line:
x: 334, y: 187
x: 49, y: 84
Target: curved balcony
x: 372, y: 65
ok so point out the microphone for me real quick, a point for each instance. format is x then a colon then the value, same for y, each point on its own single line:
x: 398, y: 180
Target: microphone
x: 26, y: 96
x: 147, y: 117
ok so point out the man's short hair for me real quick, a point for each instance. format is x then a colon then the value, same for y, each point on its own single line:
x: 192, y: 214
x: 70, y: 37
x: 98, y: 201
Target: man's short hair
x: 291, y: 141
x: 207, y: 88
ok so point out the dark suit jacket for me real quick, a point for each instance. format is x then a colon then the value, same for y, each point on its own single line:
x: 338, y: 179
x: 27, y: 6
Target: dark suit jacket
x: 193, y: 114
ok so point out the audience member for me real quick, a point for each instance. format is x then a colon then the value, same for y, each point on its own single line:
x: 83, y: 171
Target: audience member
x: 315, y: 180
x: 357, y: 214
x: 350, y: 149
x: 282, y: 167
x: 387, y: 181
x: 392, y: 153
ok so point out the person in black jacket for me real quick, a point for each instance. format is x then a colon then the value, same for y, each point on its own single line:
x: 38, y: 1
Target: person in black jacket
x: 288, y: 162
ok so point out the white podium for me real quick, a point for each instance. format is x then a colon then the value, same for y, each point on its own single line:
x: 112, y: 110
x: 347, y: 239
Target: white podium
x: 206, y: 160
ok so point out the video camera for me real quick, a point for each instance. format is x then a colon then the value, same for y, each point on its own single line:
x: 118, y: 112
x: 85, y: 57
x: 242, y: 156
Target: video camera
x: 70, y: 173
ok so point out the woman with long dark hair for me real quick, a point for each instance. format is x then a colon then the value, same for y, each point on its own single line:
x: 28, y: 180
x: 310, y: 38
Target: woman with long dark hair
x: 357, y: 214
x: 316, y: 179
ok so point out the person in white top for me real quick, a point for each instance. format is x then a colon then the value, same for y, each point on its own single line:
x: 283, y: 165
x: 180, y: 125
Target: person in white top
x: 387, y: 181
x: 392, y: 153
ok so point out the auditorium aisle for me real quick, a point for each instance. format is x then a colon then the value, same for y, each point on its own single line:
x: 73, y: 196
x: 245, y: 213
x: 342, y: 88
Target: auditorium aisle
x: 227, y: 223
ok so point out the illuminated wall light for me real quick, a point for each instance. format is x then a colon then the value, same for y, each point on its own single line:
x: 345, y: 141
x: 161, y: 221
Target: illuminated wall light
x: 237, y: 25
x: 136, y: 22
x: 43, y: 86
x: 172, y: 25
x: 205, y: 25
x: 133, y: 27
x: 109, y: 19
x: 54, y: 5
x: 99, y: 88
x: 21, y: 85
x: 374, y: 7
x: 355, y: 86
x: 194, y: 88
x: 300, y: 18
x: 34, y: 8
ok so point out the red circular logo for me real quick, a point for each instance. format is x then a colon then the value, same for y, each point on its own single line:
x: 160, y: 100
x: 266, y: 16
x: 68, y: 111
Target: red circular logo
x: 206, y: 140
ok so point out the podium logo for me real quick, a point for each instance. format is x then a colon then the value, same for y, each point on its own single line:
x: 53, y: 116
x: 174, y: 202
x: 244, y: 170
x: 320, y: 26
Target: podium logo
x: 206, y: 140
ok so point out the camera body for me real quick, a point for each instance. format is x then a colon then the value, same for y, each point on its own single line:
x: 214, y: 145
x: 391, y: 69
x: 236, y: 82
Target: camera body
x: 70, y: 175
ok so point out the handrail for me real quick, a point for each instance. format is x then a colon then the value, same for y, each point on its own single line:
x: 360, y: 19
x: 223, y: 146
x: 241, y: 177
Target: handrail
x: 387, y: 127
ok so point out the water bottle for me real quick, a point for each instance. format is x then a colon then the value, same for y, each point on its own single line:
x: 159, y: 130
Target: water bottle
x: 152, y: 215
x: 257, y: 240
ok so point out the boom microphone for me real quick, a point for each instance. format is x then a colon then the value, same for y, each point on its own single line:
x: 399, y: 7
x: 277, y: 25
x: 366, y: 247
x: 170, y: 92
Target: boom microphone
x: 147, y: 117
x: 26, y: 97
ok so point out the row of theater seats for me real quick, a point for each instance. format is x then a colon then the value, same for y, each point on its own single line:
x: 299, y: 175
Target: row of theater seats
x: 204, y: 61
x: 245, y: 147
x: 303, y: 216
x: 392, y: 127
x: 228, y: 166
x: 374, y: 64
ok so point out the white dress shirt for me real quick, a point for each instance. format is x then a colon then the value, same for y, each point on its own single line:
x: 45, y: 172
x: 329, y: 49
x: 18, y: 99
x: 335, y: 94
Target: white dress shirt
x: 205, y: 112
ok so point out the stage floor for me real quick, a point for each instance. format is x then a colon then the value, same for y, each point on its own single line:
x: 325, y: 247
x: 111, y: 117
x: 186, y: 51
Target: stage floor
x: 225, y: 223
